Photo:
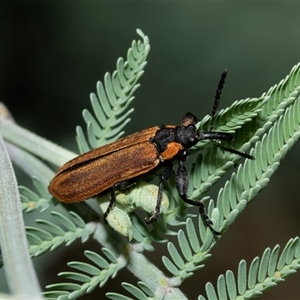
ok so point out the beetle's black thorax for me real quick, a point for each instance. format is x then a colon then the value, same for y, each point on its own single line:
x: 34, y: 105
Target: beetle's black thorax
x: 187, y: 136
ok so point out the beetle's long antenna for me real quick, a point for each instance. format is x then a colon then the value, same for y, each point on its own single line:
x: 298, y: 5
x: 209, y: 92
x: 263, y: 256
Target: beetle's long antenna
x: 213, y: 115
x: 231, y: 150
x: 217, y: 98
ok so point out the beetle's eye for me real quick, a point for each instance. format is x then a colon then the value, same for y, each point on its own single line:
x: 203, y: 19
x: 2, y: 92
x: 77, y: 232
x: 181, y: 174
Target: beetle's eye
x: 186, y: 136
x: 192, y: 139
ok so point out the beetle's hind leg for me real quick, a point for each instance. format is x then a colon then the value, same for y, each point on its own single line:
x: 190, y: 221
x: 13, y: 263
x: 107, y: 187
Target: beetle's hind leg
x: 111, y: 204
x: 118, y: 186
x: 182, y: 185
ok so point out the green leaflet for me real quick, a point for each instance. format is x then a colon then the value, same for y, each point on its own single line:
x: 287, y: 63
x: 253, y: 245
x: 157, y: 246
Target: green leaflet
x: 262, y: 274
x: 49, y: 236
x: 89, y: 277
x: 143, y: 292
x: 31, y: 200
x: 111, y: 103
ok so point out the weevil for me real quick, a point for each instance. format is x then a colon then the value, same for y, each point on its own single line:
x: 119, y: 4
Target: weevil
x: 118, y: 165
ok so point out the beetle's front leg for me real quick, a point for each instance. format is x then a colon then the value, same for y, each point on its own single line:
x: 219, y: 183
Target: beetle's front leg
x: 182, y: 184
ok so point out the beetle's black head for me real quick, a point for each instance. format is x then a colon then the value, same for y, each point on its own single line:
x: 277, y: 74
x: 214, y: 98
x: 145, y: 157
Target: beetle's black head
x: 187, y: 136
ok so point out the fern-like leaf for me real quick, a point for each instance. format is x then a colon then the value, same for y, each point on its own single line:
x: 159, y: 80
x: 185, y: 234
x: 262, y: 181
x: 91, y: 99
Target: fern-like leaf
x: 234, y: 117
x: 263, y: 273
x: 49, y: 236
x: 114, y: 95
x: 142, y: 292
x: 32, y: 201
x: 193, y: 250
x: 270, y: 131
x: 278, y: 133
x: 89, y: 276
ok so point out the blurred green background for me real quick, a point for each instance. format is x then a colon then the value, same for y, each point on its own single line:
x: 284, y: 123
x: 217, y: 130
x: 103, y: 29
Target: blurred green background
x: 52, y: 54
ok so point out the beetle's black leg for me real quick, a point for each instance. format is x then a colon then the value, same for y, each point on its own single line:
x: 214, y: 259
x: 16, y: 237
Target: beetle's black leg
x: 118, y: 186
x: 111, y: 204
x: 182, y: 184
x: 163, y: 178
